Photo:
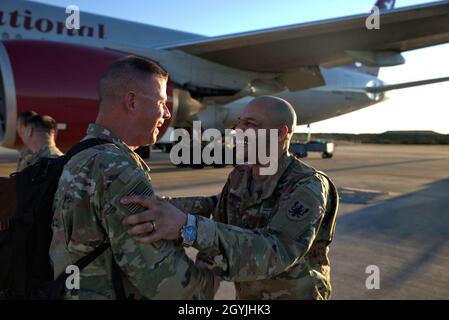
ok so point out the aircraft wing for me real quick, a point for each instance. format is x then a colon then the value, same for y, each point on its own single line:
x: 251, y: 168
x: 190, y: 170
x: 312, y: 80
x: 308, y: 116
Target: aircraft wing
x: 328, y: 42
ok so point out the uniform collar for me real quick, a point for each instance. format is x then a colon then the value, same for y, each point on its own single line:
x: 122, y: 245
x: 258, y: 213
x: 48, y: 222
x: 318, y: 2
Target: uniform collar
x: 96, y: 130
x: 43, y: 149
x: 267, y: 183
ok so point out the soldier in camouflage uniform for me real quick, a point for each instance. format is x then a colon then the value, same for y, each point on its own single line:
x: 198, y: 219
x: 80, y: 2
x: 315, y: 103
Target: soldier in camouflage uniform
x: 269, y: 234
x: 24, y: 152
x: 39, y: 137
x: 87, y: 204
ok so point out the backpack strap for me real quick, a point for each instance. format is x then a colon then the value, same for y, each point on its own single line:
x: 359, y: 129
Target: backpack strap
x: 117, y: 282
x: 86, y: 260
x: 54, y: 290
x: 56, y: 287
x: 83, y: 145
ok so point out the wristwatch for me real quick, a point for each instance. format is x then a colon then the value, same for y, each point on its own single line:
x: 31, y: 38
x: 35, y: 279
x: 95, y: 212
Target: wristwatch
x: 189, y: 231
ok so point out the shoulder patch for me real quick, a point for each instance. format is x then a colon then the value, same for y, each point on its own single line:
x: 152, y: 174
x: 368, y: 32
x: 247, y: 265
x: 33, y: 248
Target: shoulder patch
x: 126, y: 175
x: 298, y: 211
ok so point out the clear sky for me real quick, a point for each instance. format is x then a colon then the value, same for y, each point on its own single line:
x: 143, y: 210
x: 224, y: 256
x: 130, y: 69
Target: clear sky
x: 423, y: 108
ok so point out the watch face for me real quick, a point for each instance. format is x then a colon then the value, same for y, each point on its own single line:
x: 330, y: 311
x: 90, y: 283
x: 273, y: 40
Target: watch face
x: 189, y: 233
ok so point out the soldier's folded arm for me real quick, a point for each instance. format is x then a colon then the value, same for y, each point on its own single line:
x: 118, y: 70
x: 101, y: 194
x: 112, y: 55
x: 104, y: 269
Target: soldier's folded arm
x: 240, y: 254
x: 159, y: 271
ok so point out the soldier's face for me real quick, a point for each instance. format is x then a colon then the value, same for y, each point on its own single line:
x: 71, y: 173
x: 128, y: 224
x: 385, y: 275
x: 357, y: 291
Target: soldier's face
x: 253, y: 119
x: 20, y: 129
x: 152, y: 110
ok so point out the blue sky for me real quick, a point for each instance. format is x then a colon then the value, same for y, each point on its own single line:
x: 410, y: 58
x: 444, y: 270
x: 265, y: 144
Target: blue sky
x: 424, y: 108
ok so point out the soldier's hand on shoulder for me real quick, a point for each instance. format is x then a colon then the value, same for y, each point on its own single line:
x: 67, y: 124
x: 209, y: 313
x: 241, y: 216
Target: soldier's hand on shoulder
x: 161, y: 220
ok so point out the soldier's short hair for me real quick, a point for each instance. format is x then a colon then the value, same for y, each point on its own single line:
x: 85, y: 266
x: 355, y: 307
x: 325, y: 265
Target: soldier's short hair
x: 278, y: 110
x: 127, y: 74
x: 24, y: 116
x: 43, y: 123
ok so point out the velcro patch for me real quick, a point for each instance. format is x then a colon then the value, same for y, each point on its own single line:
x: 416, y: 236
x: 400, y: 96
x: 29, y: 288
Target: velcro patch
x: 141, y: 189
x: 126, y: 175
x: 298, y: 211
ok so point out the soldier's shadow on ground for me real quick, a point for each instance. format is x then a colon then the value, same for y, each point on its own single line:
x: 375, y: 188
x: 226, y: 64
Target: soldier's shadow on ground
x: 414, y: 225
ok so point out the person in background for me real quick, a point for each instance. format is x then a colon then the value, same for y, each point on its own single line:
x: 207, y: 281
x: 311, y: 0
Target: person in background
x: 39, y: 137
x: 24, y: 152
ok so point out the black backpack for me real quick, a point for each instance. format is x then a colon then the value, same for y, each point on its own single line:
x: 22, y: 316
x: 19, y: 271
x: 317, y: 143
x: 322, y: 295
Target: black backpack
x: 25, y: 268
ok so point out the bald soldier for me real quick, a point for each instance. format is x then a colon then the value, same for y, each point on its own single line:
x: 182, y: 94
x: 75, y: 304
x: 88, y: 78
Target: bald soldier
x: 24, y: 152
x: 87, y: 208
x: 39, y: 137
x: 269, y: 234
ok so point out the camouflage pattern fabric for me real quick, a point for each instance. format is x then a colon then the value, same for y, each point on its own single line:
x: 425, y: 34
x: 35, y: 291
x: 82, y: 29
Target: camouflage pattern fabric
x: 46, y: 151
x: 270, y: 235
x: 28, y: 158
x: 24, y: 158
x: 203, y: 206
x: 88, y: 213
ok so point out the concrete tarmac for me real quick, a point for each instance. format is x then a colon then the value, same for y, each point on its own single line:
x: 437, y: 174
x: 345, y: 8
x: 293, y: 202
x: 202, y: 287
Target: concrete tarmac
x: 393, y: 218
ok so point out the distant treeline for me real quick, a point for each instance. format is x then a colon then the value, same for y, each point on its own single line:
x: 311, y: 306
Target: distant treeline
x: 389, y: 137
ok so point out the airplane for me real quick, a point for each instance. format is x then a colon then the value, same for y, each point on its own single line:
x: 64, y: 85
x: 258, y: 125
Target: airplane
x: 324, y: 68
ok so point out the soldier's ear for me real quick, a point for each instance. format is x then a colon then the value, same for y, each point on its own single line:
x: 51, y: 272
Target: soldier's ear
x: 130, y: 101
x: 29, y: 131
x: 283, y: 133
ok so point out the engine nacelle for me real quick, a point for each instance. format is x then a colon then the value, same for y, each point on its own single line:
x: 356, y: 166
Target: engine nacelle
x: 53, y: 78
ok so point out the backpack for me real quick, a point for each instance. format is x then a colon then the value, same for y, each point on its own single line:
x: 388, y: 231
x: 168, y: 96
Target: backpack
x: 327, y: 226
x: 25, y: 268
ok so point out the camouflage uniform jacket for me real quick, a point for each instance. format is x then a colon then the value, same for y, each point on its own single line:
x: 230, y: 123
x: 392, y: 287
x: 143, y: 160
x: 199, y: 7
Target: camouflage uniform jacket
x: 88, y: 213
x: 271, y: 237
x: 28, y: 158
x: 24, y: 158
